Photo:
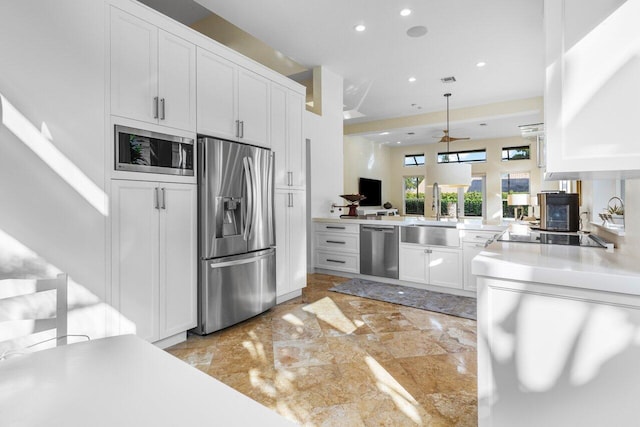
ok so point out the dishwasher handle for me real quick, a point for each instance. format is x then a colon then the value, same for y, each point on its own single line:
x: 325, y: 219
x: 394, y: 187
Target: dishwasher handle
x: 389, y: 229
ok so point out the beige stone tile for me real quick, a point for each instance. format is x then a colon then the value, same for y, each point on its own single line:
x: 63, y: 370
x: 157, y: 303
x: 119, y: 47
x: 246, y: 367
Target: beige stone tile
x: 369, y: 306
x: 346, y: 415
x: 258, y: 384
x: 295, y: 324
x: 301, y: 353
x: 199, y: 356
x: 354, y: 348
x: 388, y: 322
x: 388, y: 410
x: 459, y: 408
x: 454, y: 340
x: 411, y: 344
x: 441, y: 373
x: 234, y: 357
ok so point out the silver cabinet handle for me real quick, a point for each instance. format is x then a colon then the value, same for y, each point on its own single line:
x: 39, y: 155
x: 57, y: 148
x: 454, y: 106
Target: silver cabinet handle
x: 238, y: 128
x: 336, y: 261
x: 155, y: 107
x: 428, y: 251
x: 242, y: 129
x: 336, y: 242
x: 290, y: 179
x: 333, y: 227
x: 162, y: 111
x: 164, y: 199
x: 290, y: 205
x: 156, y: 199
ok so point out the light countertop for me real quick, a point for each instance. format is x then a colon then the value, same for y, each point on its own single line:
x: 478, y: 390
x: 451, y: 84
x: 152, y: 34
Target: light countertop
x: 464, y: 224
x: 580, y: 267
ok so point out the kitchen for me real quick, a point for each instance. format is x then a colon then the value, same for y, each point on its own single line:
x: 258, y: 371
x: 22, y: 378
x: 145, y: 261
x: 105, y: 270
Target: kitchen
x: 50, y: 100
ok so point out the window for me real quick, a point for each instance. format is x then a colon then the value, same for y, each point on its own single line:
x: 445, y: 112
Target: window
x: 414, y: 159
x: 516, y: 153
x: 463, y: 156
x: 513, y: 183
x: 413, y: 195
x: 474, y: 197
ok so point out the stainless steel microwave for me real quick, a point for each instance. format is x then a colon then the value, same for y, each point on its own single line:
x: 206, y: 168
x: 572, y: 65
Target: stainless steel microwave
x: 140, y: 150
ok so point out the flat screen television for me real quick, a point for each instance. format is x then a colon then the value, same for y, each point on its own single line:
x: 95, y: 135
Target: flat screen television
x: 372, y: 189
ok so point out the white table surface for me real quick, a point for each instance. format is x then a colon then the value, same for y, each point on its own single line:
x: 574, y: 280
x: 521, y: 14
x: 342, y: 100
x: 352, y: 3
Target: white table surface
x: 463, y: 224
x: 119, y: 381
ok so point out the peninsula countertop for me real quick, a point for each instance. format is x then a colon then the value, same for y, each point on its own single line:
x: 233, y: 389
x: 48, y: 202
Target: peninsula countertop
x: 572, y: 266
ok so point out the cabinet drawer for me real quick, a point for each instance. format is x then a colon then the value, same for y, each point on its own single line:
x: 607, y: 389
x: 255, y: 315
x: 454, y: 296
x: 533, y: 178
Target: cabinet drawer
x: 334, y: 227
x: 337, y: 261
x: 478, y: 236
x: 338, y: 242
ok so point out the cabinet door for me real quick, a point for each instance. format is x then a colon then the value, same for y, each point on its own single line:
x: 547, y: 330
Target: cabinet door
x: 178, y: 257
x: 278, y: 130
x: 592, y: 90
x: 177, y: 82
x: 281, y: 202
x: 216, y: 95
x: 445, y: 268
x: 295, y: 140
x: 253, y: 108
x: 469, y: 251
x: 413, y: 264
x: 297, y: 240
x: 134, y: 66
x: 135, y: 257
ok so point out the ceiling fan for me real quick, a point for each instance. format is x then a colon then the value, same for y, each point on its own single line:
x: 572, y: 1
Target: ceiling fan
x: 446, y: 137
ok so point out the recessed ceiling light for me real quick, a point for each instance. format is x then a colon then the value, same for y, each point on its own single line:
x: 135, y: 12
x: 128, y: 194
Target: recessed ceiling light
x: 412, y: 79
x: 360, y: 28
x: 405, y: 12
x: 417, y: 31
x: 383, y: 133
x: 399, y: 142
x: 481, y: 64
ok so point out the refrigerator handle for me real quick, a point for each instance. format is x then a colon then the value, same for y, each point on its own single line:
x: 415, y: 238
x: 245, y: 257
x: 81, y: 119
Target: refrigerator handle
x: 249, y: 195
x: 240, y: 261
x: 270, y: 196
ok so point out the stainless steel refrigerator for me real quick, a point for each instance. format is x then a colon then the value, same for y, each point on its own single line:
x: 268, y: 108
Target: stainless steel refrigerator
x: 236, y: 248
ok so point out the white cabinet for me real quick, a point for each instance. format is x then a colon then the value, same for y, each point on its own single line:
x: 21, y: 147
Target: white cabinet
x: 153, y: 73
x: 473, y: 242
x: 154, y: 256
x: 286, y: 137
x: 592, y: 92
x: 291, y: 243
x: 552, y: 355
x: 233, y: 102
x: 430, y: 265
x: 337, y: 246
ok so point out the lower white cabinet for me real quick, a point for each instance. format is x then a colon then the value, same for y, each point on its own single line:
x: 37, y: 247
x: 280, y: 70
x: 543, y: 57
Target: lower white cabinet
x: 154, y: 257
x: 337, y: 246
x: 473, y: 242
x: 431, y: 265
x: 291, y: 242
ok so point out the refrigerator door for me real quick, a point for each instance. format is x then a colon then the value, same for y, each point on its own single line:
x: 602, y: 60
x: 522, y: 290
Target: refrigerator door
x: 235, y: 288
x: 261, y: 225
x: 224, y: 197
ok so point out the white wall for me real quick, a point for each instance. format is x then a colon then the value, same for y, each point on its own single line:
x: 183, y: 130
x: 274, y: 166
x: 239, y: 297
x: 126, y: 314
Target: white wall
x: 52, y: 73
x: 366, y: 159
x: 325, y: 133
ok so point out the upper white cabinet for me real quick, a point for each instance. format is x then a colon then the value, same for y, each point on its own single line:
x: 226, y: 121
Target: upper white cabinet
x: 233, y: 102
x: 153, y: 73
x: 154, y: 257
x: 287, y: 141
x: 592, y: 94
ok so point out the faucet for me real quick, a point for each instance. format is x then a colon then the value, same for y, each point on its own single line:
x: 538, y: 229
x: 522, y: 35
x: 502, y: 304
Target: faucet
x: 436, y: 200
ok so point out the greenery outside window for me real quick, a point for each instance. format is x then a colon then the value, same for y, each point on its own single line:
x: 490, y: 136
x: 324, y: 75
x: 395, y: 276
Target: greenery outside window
x: 516, y: 153
x: 513, y: 183
x: 469, y: 156
x: 414, y: 159
x: 413, y: 195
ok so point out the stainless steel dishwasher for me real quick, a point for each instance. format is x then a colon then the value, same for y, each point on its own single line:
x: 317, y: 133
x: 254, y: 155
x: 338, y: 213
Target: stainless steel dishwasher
x: 379, y: 250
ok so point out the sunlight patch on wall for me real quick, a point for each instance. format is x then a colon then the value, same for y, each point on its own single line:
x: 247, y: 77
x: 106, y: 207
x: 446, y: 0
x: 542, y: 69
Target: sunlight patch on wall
x: 39, y: 143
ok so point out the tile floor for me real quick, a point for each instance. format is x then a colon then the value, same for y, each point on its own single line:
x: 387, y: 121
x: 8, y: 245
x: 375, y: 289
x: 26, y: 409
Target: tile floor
x: 329, y: 359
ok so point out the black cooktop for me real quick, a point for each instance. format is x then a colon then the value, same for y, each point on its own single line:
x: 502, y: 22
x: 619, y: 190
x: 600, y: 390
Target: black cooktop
x: 549, y: 238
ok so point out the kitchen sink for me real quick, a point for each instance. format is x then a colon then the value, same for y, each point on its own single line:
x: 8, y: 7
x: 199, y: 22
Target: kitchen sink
x: 431, y: 235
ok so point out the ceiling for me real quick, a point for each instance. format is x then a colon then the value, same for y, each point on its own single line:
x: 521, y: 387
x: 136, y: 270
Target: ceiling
x: 376, y: 64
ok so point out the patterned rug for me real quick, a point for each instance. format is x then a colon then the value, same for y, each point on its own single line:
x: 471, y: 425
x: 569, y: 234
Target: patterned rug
x: 404, y: 295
